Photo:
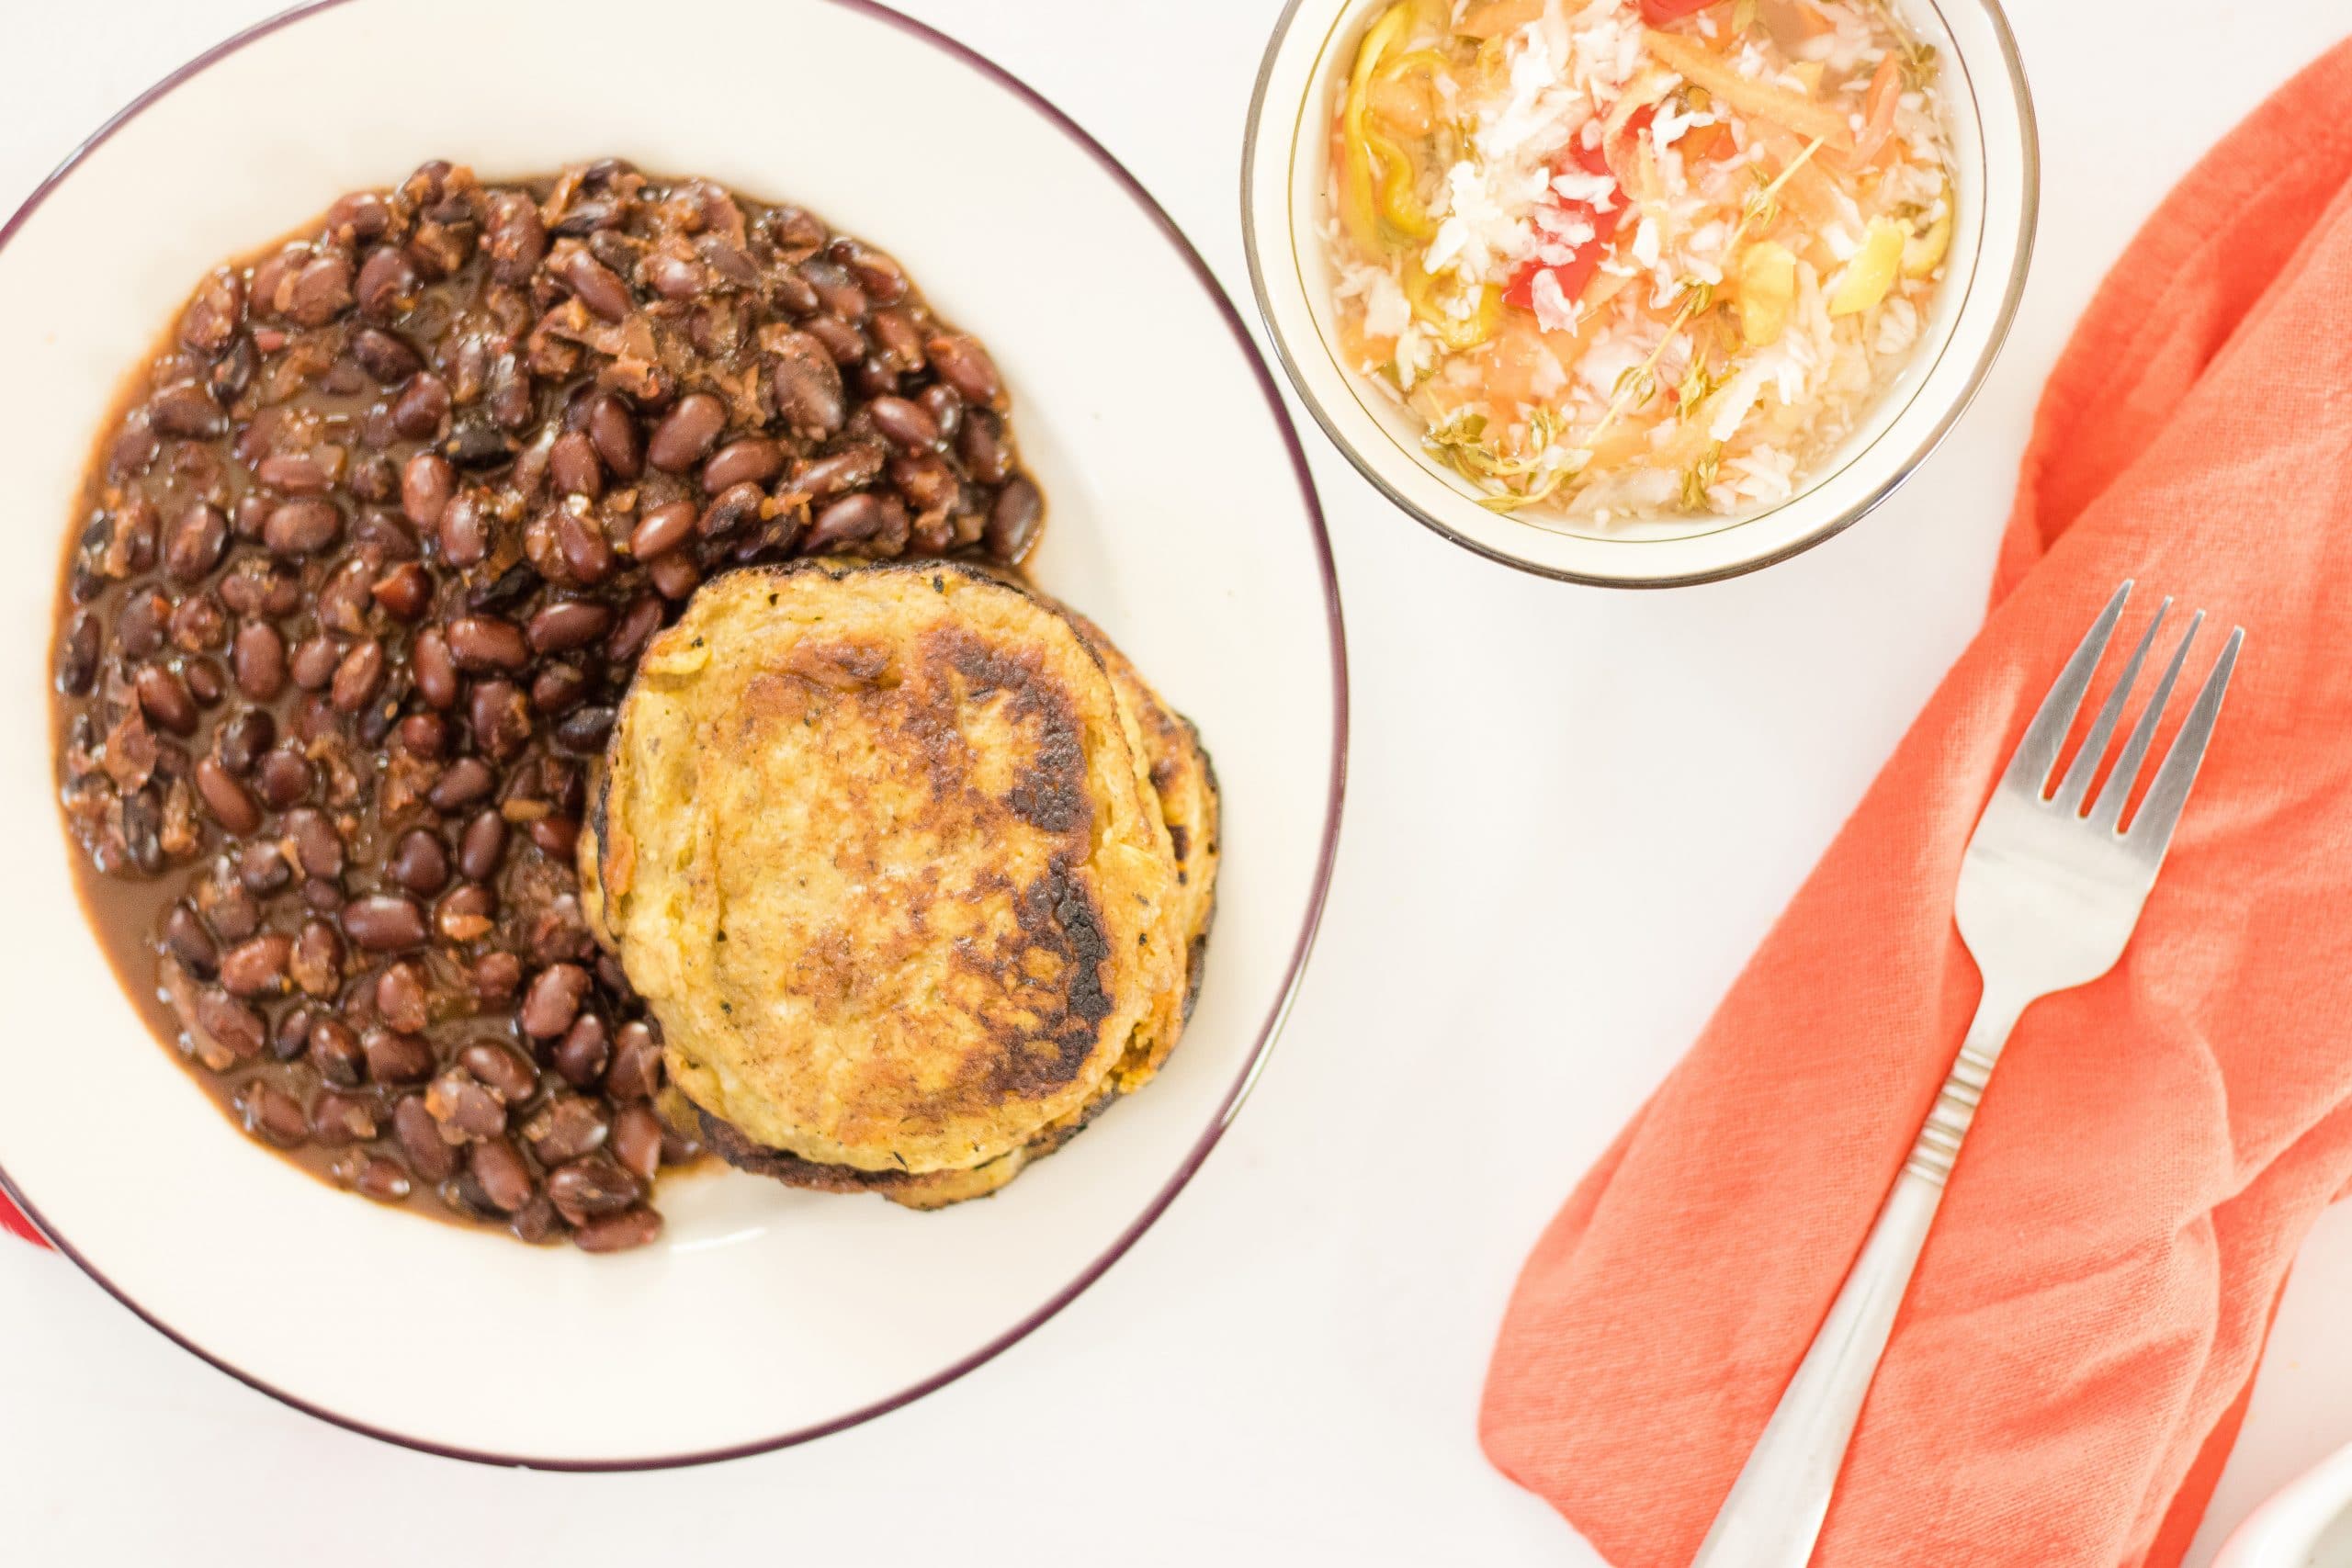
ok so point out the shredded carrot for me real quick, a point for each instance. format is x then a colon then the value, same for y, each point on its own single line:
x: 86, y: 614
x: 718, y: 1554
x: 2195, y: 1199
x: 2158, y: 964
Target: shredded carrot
x: 1496, y: 18
x: 1792, y: 23
x: 1362, y: 347
x: 1878, y: 111
x: 1708, y: 142
x: 1763, y: 100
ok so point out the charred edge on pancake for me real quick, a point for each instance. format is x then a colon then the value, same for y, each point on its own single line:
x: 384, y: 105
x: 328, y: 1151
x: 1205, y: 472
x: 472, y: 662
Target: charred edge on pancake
x: 837, y: 567
x: 1051, y: 794
x: 1058, y: 916
x: 1196, y: 954
x: 1083, y: 942
x: 1209, y: 787
x: 1192, y: 957
x: 723, y: 1139
x: 595, y: 846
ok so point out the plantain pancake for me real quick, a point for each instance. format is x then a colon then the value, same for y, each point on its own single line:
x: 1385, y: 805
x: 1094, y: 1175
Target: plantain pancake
x: 880, y: 849
x: 1184, y: 785
x: 1184, y: 790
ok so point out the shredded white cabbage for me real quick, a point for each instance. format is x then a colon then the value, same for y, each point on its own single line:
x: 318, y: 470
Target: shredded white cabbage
x: 1597, y: 319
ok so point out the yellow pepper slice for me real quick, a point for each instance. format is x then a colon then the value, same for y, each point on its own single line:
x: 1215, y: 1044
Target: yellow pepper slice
x: 1767, y: 292
x: 1399, y: 202
x: 1432, y: 16
x: 1358, y: 212
x: 1922, y: 253
x: 1415, y: 60
x: 1872, y: 271
x: 1456, y: 332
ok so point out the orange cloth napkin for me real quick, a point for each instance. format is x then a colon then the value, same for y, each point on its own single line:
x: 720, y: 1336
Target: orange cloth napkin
x: 2072, y: 1364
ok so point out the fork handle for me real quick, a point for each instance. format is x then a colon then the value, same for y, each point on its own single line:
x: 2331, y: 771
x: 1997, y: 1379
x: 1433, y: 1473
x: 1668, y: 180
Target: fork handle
x: 1773, y: 1513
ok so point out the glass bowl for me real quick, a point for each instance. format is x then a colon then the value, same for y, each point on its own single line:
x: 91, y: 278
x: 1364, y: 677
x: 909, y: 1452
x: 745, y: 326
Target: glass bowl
x: 1283, y: 217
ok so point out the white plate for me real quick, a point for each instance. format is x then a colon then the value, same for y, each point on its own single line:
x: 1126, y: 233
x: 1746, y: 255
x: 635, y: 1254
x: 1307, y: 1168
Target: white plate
x: 1181, y: 518
x: 2309, y: 1525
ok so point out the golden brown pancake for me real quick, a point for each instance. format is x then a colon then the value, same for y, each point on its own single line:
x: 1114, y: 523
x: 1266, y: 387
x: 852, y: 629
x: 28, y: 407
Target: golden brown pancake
x: 1185, y: 787
x: 879, y: 850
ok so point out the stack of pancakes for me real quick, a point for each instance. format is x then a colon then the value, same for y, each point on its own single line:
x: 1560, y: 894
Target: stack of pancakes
x: 913, y: 868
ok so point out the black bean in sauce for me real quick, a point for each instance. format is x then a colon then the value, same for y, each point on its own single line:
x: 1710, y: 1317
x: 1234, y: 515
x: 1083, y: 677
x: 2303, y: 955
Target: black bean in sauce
x: 357, y: 579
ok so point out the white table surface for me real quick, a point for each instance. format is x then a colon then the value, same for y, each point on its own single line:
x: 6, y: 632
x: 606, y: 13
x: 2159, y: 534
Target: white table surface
x: 1535, y: 908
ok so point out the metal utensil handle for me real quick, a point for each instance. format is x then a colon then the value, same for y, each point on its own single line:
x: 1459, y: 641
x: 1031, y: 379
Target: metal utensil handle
x: 1773, y: 1513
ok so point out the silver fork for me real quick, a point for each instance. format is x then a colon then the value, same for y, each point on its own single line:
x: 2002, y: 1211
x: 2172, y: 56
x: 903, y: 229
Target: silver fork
x: 2049, y: 893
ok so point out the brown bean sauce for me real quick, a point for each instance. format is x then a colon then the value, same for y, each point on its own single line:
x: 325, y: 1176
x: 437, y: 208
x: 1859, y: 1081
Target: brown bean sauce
x: 363, y: 566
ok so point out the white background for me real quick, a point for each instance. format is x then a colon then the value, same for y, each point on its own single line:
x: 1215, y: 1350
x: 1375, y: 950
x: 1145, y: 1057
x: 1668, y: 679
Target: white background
x: 1571, y: 814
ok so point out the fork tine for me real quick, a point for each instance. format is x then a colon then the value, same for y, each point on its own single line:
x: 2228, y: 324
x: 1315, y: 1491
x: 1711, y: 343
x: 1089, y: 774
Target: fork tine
x: 2077, y: 782
x: 2152, y: 827
x: 2118, y: 790
x: 2038, y: 752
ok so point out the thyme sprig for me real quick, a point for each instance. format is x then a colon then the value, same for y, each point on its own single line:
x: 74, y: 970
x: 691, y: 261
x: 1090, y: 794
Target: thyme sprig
x: 1461, y: 443
x: 1699, y: 476
x: 1918, y: 55
x: 1698, y: 383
